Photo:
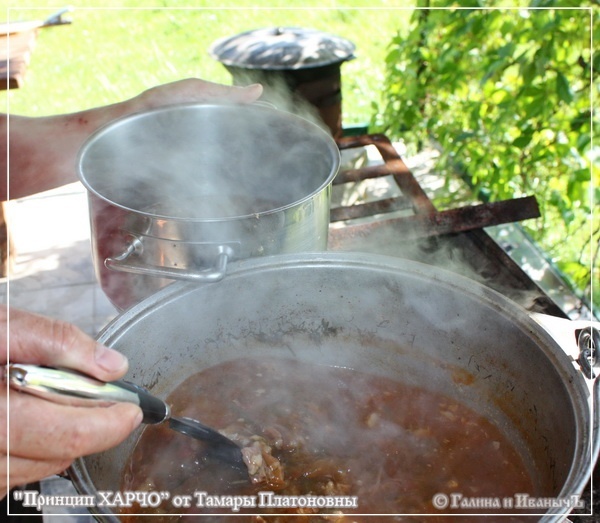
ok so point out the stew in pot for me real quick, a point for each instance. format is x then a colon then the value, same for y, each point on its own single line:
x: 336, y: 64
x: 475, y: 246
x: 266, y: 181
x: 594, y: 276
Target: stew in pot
x: 313, y: 433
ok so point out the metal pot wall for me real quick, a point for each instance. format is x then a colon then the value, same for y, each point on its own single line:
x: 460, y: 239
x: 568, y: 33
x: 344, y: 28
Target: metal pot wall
x: 177, y: 192
x: 401, y: 319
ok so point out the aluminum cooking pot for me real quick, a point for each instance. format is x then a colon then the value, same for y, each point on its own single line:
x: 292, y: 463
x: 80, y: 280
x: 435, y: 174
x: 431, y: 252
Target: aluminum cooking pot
x: 177, y: 192
x: 415, y: 323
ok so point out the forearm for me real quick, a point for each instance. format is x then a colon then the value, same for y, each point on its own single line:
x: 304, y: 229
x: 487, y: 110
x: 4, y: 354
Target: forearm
x: 42, y: 152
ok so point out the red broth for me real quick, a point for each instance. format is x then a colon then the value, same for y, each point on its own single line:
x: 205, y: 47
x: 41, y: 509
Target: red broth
x: 337, y: 433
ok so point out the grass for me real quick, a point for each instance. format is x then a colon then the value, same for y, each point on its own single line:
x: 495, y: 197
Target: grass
x: 114, y: 50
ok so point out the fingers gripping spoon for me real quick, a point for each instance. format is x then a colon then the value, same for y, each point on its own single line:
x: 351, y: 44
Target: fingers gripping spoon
x: 72, y: 388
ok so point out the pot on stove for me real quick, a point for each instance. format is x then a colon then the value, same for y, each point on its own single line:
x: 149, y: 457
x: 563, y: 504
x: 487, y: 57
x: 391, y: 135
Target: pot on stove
x: 308, y: 62
x: 398, y: 319
x: 178, y: 192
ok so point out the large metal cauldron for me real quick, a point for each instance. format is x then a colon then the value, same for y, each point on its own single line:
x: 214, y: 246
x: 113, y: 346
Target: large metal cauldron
x: 177, y: 192
x: 402, y: 319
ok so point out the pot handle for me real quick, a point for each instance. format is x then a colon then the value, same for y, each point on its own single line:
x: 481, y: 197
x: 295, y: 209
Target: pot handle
x: 586, y: 352
x: 580, y: 339
x: 588, y: 341
x: 124, y: 263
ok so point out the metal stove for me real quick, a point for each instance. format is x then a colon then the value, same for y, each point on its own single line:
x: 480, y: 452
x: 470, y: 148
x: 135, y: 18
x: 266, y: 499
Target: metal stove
x: 397, y: 218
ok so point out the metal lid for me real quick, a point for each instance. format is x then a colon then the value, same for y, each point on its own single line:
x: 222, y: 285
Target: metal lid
x: 282, y: 48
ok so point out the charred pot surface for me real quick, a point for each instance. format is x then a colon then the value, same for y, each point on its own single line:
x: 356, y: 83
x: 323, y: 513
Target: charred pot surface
x: 399, y: 319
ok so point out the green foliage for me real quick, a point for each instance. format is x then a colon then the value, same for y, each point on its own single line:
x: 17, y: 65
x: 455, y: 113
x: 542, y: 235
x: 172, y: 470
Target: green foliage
x: 507, y: 95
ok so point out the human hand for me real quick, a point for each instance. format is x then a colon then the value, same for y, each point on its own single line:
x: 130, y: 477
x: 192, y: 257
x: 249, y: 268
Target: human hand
x: 192, y: 90
x: 46, y: 437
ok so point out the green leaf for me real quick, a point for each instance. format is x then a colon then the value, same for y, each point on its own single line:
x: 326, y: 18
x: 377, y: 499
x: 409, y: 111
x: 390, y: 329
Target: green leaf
x: 506, y: 50
x: 492, y: 70
x: 596, y: 62
x: 581, y: 119
x: 563, y: 89
x: 509, y: 102
x: 528, y: 72
x: 465, y: 135
x: 523, y: 141
x: 583, y: 141
x: 578, y: 271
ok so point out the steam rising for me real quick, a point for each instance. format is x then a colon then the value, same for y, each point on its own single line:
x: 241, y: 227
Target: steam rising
x: 223, y: 163
x: 208, y: 161
x: 175, y: 187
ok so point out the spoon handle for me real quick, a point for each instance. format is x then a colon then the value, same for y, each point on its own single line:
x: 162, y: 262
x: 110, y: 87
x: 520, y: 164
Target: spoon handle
x: 73, y: 388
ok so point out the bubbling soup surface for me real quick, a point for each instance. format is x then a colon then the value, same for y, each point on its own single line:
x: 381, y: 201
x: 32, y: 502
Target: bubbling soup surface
x: 334, y: 432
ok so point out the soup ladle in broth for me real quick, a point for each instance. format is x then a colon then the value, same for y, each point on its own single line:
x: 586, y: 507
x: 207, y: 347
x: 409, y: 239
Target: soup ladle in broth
x: 73, y: 388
